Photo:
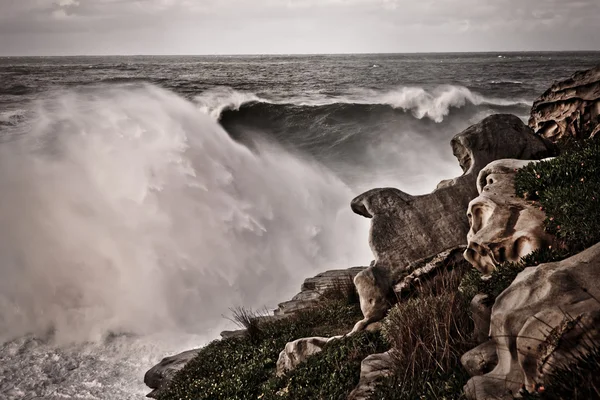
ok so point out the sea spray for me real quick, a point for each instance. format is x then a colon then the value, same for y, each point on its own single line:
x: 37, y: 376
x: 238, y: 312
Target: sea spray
x: 126, y: 210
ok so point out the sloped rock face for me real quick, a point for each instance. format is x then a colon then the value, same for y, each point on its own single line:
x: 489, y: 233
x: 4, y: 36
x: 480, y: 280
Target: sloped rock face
x: 407, y: 228
x: 503, y: 226
x: 162, y: 373
x: 540, y: 322
x: 372, y: 370
x: 570, y: 108
x: 313, y: 289
x: 378, y: 291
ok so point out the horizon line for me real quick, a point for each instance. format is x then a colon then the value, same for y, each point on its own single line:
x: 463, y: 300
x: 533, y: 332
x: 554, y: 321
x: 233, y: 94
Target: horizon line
x: 301, y: 54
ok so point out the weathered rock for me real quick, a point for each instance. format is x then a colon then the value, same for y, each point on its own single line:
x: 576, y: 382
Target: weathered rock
x: 406, y: 228
x: 161, y: 374
x: 373, y: 369
x: 570, y: 108
x: 504, y: 227
x: 313, y: 289
x: 298, y: 351
x: 482, y: 313
x: 481, y: 360
x: 378, y: 290
x: 540, y: 322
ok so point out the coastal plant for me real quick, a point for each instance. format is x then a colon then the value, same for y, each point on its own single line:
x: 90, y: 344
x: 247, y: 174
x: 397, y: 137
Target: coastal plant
x: 237, y: 368
x: 329, y: 375
x: 428, y: 334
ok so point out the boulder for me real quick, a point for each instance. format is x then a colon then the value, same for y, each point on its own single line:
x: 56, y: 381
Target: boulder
x: 161, y: 374
x: 299, y: 351
x: 373, y: 369
x: 548, y: 315
x: 503, y: 226
x: 570, y: 108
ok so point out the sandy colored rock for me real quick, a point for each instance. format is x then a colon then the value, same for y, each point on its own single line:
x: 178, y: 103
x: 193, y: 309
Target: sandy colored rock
x: 570, y: 108
x: 313, y: 289
x: 481, y: 360
x: 503, y: 226
x: 482, y: 314
x: 373, y: 369
x: 299, y: 351
x: 540, y: 322
x: 407, y: 228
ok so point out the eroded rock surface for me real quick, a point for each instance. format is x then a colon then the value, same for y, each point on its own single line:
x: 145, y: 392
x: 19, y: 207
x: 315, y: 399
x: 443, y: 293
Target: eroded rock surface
x: 503, y: 226
x: 161, y: 374
x: 313, y: 289
x: 373, y: 369
x: 299, y: 351
x: 406, y: 228
x: 570, y: 108
x: 378, y: 290
x: 540, y: 323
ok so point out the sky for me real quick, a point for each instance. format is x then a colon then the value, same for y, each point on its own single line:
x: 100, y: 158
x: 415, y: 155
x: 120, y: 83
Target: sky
x: 100, y: 27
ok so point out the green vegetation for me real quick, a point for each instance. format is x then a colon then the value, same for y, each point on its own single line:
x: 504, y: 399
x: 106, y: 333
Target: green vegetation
x: 568, y: 189
x: 429, y: 333
x: 238, y: 368
x: 329, y: 375
x: 578, y: 380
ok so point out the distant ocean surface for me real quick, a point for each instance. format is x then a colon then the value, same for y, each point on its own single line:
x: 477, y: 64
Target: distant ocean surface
x: 142, y: 197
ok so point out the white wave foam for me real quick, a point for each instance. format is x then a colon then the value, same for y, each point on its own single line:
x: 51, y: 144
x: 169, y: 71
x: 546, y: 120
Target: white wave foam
x: 127, y: 210
x: 434, y: 104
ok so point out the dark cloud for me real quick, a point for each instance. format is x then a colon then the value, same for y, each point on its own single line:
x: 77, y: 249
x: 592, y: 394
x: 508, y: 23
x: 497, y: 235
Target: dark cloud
x: 294, y: 26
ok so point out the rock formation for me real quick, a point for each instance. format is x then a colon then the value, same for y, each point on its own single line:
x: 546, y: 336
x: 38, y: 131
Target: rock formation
x: 298, y: 351
x: 540, y: 322
x: 406, y: 228
x: 503, y: 227
x: 161, y: 374
x: 372, y: 370
x: 313, y: 289
x: 570, y: 108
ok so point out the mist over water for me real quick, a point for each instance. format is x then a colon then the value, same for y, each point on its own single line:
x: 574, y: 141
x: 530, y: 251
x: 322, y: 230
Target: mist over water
x: 128, y: 210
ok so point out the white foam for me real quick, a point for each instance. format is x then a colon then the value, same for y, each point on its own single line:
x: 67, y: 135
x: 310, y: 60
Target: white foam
x: 127, y: 210
x: 434, y: 104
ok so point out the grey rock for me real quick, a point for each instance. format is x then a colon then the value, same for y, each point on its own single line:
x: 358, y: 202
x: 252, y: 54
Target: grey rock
x: 313, y: 289
x: 159, y: 376
x: 373, y: 369
x: 406, y: 228
x: 570, y: 108
x: 481, y: 360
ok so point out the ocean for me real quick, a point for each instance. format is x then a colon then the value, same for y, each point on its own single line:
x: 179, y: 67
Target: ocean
x: 143, y: 197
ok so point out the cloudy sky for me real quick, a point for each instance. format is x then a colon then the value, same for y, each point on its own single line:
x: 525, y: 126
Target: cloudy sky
x: 67, y: 27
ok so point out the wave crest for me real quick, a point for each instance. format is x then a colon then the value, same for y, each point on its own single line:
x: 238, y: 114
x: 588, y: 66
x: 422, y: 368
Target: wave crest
x: 434, y: 104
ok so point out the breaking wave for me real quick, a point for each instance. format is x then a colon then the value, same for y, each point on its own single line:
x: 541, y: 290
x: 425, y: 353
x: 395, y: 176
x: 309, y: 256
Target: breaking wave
x: 127, y: 210
x: 434, y: 104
